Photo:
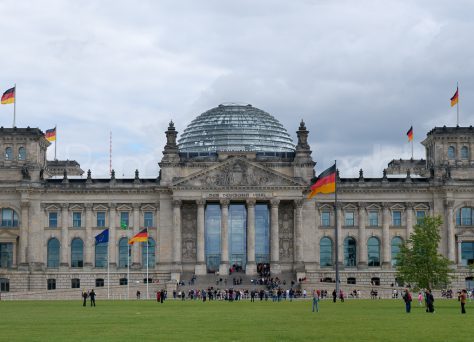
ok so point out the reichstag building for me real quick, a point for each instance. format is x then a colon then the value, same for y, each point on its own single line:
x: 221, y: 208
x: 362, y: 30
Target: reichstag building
x: 231, y: 190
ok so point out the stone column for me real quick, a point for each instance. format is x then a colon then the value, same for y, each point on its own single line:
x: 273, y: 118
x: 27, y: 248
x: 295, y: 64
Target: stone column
x: 451, y: 248
x: 362, y: 236
x: 200, y: 268
x: 89, y: 243
x: 177, y: 234
x: 64, y: 250
x: 340, y: 242
x: 317, y: 225
x: 386, y: 236
x: 112, y: 236
x: 274, y: 237
x: 136, y: 261
x: 24, y: 230
x: 299, y: 266
x: 459, y: 252
x: 409, y: 210
x: 224, y: 266
x: 251, y: 268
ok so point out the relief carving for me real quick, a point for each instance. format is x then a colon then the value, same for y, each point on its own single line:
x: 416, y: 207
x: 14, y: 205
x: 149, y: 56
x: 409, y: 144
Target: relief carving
x: 286, y: 232
x: 188, y: 233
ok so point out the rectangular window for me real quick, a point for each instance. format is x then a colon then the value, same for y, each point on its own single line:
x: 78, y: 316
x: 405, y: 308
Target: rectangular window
x: 124, y: 220
x: 325, y: 219
x: 148, y: 219
x: 76, y: 283
x: 420, y: 215
x: 123, y: 281
x: 396, y: 218
x: 53, y: 220
x: 466, y: 216
x: 373, y: 218
x: 76, y: 219
x: 6, y: 254
x: 9, y: 218
x: 99, y: 282
x: 101, y: 219
x: 349, y: 218
x: 51, y: 284
x: 4, y: 285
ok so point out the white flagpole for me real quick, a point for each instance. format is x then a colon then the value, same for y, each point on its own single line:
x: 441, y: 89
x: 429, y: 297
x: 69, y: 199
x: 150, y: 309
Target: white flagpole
x: 14, y: 106
x: 147, y: 280
x: 108, y: 273
x: 457, y: 103
x: 56, y: 144
x: 128, y: 270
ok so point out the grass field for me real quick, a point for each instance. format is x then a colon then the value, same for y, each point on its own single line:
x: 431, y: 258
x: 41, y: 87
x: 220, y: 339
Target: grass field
x: 354, y: 320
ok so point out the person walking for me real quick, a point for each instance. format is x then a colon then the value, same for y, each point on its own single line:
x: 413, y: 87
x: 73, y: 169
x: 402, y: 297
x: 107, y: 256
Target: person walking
x: 334, y: 296
x: 420, y: 299
x: 407, y: 299
x: 429, y: 301
x: 341, y: 296
x: 84, y: 297
x: 316, y: 300
x: 463, y: 299
x: 92, y: 296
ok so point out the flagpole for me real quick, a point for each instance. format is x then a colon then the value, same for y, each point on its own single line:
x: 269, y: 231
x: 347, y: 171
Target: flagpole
x: 412, y: 144
x: 14, y: 106
x: 108, y: 271
x: 128, y: 269
x: 457, y: 104
x: 56, y: 141
x: 337, y: 234
x: 147, y: 297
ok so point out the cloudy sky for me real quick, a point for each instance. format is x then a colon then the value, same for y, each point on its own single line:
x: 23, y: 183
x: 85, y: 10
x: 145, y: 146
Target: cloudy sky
x: 359, y: 73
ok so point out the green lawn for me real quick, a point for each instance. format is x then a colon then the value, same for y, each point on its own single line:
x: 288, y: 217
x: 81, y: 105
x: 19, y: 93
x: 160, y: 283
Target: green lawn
x: 354, y: 320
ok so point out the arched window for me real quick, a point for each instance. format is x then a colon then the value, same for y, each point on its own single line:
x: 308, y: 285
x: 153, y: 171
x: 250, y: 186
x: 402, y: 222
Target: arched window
x: 151, y: 253
x: 101, y: 251
x: 22, y: 153
x: 9, y: 218
x: 8, y: 153
x: 464, y: 152
x: 325, y: 252
x: 451, y: 152
x: 350, y: 252
x: 53, y: 252
x: 123, y: 252
x: 464, y: 216
x: 373, y: 251
x: 77, y: 253
x: 395, y: 245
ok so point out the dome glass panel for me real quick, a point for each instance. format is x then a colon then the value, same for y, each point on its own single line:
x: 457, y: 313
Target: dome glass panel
x: 235, y: 128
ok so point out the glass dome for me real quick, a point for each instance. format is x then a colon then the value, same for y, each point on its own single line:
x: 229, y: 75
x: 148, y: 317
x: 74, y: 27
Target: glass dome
x: 235, y: 128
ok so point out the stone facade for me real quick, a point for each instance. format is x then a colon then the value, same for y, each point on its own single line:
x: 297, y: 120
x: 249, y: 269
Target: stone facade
x: 371, y: 212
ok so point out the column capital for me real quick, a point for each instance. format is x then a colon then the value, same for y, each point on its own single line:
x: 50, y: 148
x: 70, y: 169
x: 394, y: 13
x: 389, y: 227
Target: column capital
x: 88, y: 206
x: 409, y: 205
x: 201, y: 202
x: 299, y: 203
x: 274, y: 202
x: 224, y: 202
x: 386, y: 205
x: 362, y: 205
x: 449, y: 204
x: 112, y: 206
x: 176, y: 203
x: 251, y: 202
x: 24, y: 204
x: 136, y: 206
x: 65, y: 206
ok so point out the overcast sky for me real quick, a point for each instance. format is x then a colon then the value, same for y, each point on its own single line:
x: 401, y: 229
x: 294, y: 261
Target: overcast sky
x: 359, y: 73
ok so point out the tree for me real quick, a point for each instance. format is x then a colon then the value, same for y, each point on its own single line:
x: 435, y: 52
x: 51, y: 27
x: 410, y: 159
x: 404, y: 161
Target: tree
x: 419, y: 262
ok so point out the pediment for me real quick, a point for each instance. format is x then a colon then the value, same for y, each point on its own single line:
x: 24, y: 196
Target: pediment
x: 238, y: 172
x: 397, y: 207
x: 374, y: 207
x: 124, y: 207
x: 325, y: 206
x: 52, y: 207
x: 349, y: 206
x: 76, y: 207
x: 100, y: 207
x: 421, y: 206
x: 148, y: 207
x: 9, y: 235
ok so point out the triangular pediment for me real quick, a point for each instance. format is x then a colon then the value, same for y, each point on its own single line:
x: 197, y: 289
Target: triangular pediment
x: 7, y: 235
x: 76, y: 207
x: 52, y: 207
x: 237, y: 172
x: 148, y: 207
x: 124, y: 207
x: 100, y: 207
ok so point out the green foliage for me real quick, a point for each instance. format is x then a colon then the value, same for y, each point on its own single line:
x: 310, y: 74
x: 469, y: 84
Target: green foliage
x: 419, y: 262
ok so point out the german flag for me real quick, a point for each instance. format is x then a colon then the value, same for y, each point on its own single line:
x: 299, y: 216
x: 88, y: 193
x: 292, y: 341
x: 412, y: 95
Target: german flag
x: 50, y: 134
x: 410, y: 134
x: 140, y: 237
x: 325, y: 183
x: 454, y: 99
x: 9, y: 96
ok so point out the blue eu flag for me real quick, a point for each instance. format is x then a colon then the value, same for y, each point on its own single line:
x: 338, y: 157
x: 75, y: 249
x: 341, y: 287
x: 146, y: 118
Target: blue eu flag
x: 102, y: 237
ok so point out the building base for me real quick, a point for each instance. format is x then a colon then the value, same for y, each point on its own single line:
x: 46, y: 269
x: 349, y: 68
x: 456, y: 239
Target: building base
x: 251, y: 269
x: 200, y: 269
